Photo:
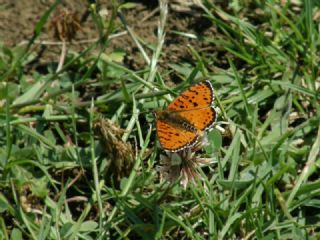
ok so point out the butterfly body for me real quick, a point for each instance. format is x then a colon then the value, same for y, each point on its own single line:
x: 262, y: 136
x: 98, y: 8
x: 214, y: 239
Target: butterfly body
x: 175, y: 119
x: 186, y: 117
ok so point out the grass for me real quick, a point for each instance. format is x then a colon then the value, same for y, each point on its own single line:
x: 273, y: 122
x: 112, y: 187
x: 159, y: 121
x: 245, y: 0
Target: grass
x: 61, y: 177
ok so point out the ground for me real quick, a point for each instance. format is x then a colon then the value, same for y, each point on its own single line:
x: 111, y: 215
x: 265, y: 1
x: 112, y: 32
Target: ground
x: 19, y: 18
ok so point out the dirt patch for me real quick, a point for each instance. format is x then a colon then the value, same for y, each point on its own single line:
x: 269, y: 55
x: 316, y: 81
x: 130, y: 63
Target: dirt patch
x: 19, y: 18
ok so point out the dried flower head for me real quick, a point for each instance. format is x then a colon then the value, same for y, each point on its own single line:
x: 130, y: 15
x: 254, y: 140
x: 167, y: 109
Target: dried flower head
x: 120, y: 152
x: 183, y: 163
x: 65, y: 24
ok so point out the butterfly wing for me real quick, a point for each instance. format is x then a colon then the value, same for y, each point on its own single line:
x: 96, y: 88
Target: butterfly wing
x: 202, y: 119
x: 173, y: 139
x: 194, y: 104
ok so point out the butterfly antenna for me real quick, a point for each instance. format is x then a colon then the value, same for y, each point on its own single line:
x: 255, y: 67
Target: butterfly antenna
x: 142, y: 112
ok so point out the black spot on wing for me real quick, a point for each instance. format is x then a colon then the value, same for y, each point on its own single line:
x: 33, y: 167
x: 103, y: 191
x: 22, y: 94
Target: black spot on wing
x: 194, y: 91
x: 185, y: 96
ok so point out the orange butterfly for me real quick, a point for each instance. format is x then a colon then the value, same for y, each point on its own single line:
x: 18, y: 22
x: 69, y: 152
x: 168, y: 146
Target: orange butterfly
x: 186, y: 117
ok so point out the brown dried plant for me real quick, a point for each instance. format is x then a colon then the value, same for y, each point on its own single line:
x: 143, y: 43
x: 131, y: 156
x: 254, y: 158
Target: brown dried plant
x: 119, y: 152
x: 65, y: 24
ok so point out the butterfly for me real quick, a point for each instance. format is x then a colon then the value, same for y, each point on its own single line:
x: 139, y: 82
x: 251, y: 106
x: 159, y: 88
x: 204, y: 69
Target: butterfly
x: 180, y: 125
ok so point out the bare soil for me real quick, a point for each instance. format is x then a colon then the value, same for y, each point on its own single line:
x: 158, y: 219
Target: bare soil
x: 19, y: 17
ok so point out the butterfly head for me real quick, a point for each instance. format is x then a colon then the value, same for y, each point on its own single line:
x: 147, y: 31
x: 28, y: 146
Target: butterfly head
x: 162, y: 114
x: 156, y: 113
